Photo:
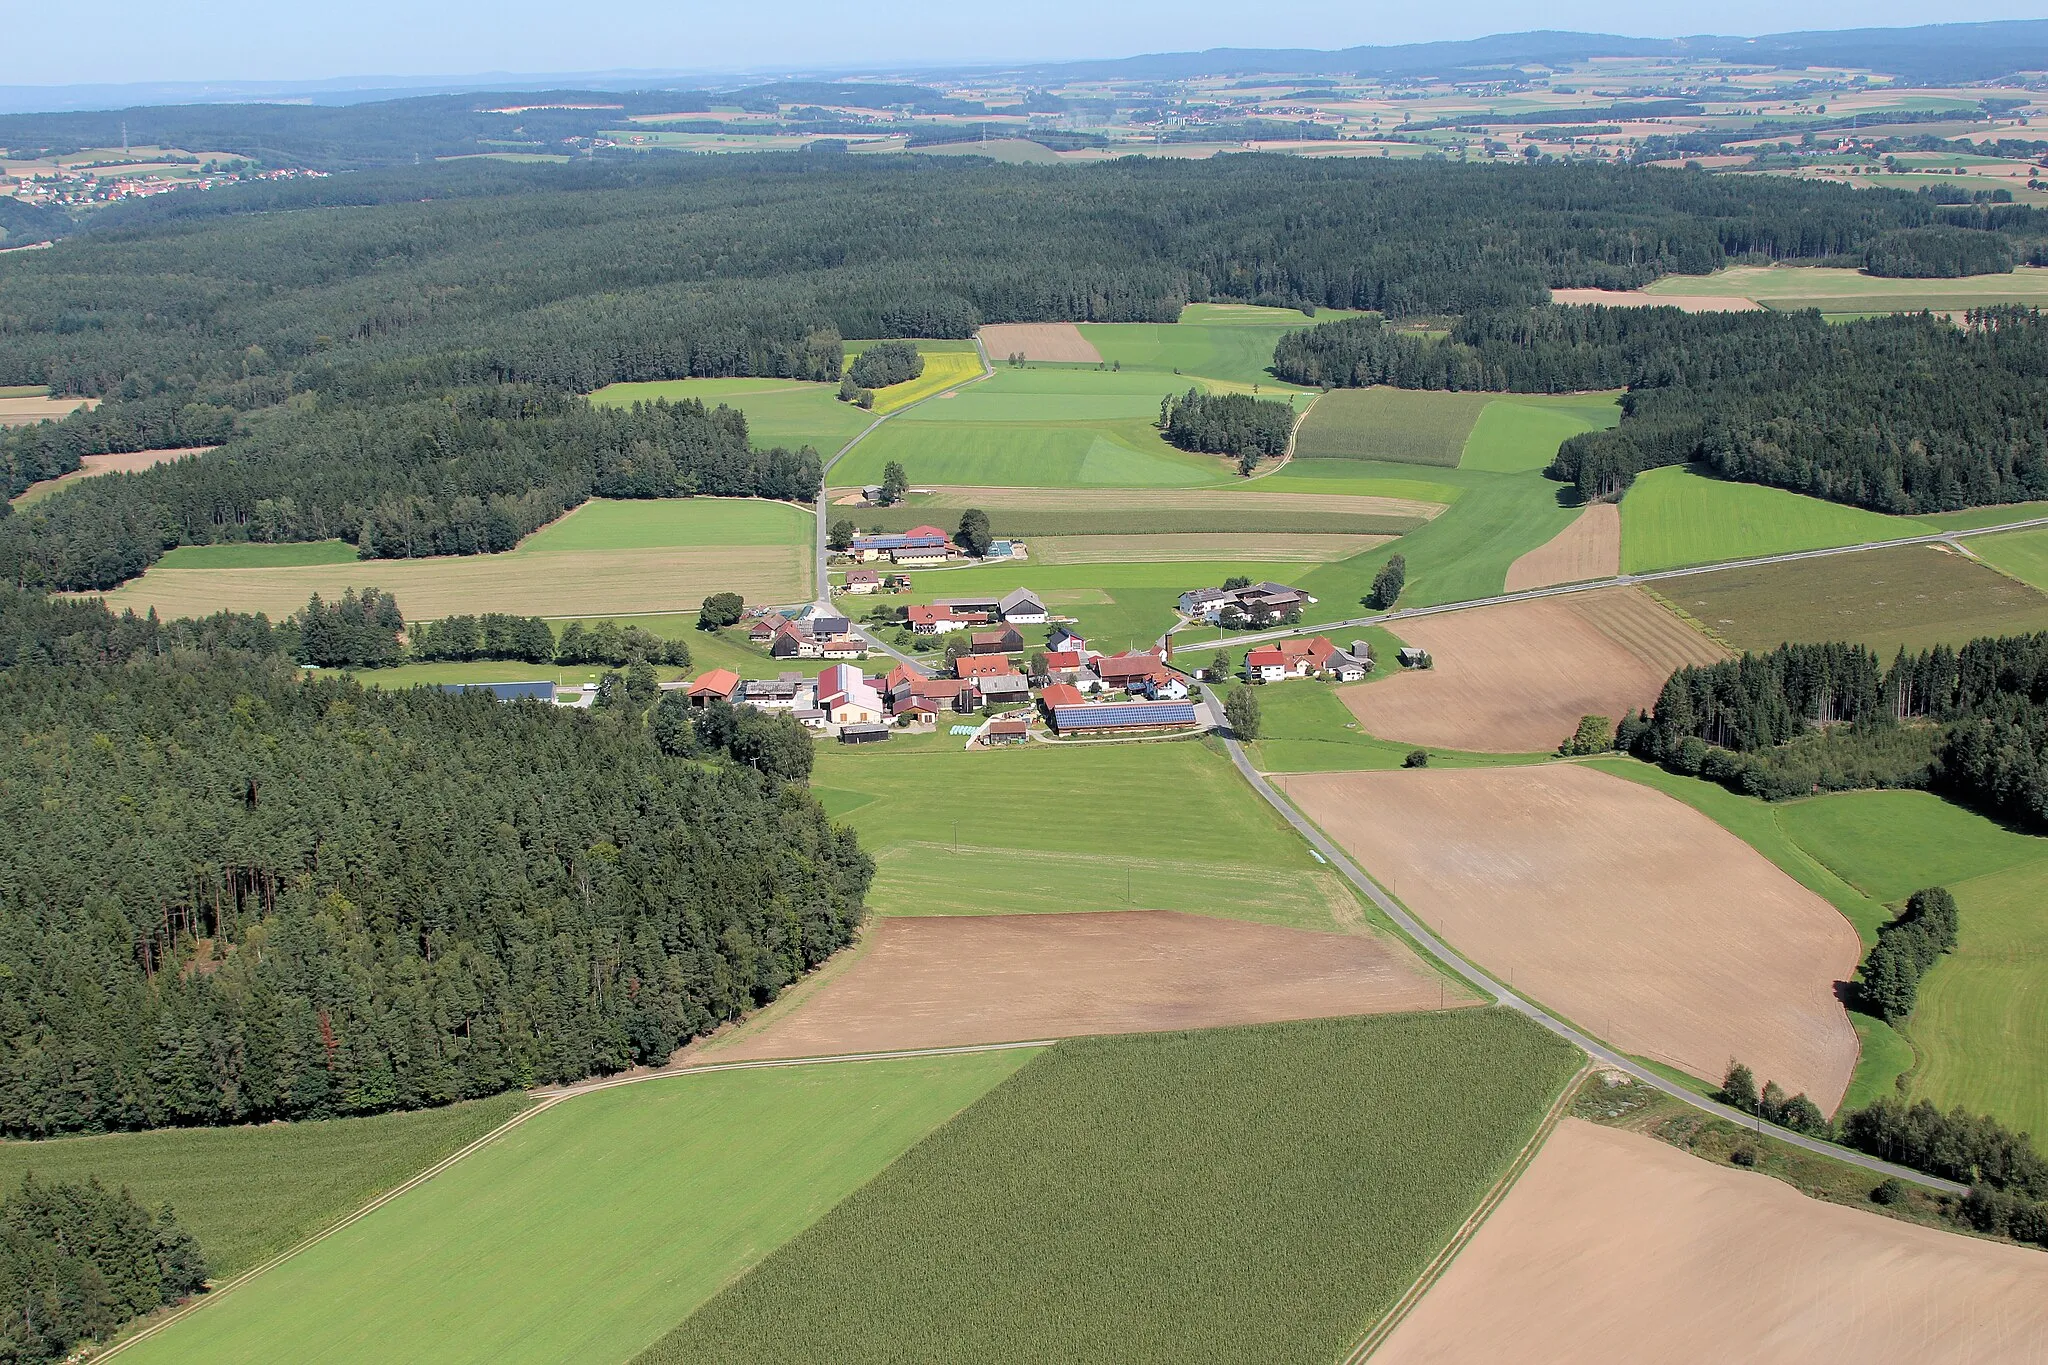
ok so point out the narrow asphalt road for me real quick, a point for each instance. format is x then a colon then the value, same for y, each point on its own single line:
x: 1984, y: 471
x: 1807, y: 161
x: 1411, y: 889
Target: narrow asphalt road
x: 1504, y: 996
x: 1618, y: 581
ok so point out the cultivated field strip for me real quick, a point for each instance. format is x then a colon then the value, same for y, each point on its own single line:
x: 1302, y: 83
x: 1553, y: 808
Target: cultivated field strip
x: 1053, y: 341
x: 1588, y: 548
x: 1166, y: 547
x: 1203, y: 500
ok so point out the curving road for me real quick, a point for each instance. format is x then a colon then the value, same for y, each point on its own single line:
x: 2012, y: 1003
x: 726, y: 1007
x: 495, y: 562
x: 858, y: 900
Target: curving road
x: 1601, y: 1053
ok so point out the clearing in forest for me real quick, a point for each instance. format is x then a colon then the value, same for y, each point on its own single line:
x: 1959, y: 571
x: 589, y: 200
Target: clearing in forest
x: 1628, y: 912
x: 90, y: 466
x: 947, y: 980
x: 594, y: 1227
x: 1251, y: 1194
x: 780, y: 412
x: 1636, y: 298
x: 1038, y: 341
x: 1588, y: 548
x: 1836, y: 290
x: 27, y: 411
x: 1403, y: 426
x: 1516, y: 677
x: 1611, y: 1236
x: 1914, y: 596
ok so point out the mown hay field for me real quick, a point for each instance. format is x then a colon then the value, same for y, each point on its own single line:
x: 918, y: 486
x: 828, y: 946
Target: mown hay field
x: 1287, y: 548
x: 780, y: 412
x: 1835, y: 290
x: 603, y: 558
x: 2023, y: 554
x: 1911, y: 596
x: 1589, y: 548
x: 1403, y: 426
x: 91, y: 466
x: 1038, y: 341
x: 1673, y: 517
x: 27, y: 410
x: 1232, y: 343
x: 250, y: 1192
x: 1245, y: 1194
x: 1521, y: 434
x: 592, y: 1228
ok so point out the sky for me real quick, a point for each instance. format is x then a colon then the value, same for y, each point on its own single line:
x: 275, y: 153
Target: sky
x: 107, y: 41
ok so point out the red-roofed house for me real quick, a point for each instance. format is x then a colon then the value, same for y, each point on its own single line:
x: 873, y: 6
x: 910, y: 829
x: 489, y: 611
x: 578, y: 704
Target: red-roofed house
x: 983, y: 666
x: 846, y: 698
x: 764, y: 627
x: 720, y: 684
x: 1061, y: 694
x: 939, y: 620
x: 1062, y: 661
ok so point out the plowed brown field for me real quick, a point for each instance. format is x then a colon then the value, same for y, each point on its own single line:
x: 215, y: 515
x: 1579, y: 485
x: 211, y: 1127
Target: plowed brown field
x: 93, y: 465
x: 1038, y: 341
x: 1516, y: 678
x: 1614, y: 1246
x: 947, y: 980
x: 1622, y: 909
x: 1588, y: 548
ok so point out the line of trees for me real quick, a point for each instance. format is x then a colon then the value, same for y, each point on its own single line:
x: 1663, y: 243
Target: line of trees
x: 77, y: 1261
x: 1905, y: 949
x: 312, y: 899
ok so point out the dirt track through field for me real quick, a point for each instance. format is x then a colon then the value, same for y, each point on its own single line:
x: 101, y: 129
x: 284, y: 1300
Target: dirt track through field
x: 1614, y: 1246
x: 1624, y: 910
x: 1268, y: 547
x: 90, y: 466
x: 946, y: 980
x: 1038, y: 341
x: 1221, y: 500
x: 1588, y: 548
x: 1636, y: 298
x: 1516, y: 677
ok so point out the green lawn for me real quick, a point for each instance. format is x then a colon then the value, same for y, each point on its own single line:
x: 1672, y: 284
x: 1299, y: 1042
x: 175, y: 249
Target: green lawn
x: 1838, y: 290
x: 1044, y: 829
x: 672, y: 523
x: 249, y: 555
x: 592, y: 1229
x: 1372, y: 479
x: 249, y: 1193
x: 780, y: 412
x: 1402, y: 426
x: 1979, y: 1036
x: 1224, y: 342
x: 1259, y: 1194
x: 1520, y: 434
x: 1673, y: 517
x: 2023, y: 554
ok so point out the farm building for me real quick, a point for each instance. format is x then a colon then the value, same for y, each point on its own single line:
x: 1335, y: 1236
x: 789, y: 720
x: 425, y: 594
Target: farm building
x: 942, y: 694
x: 846, y: 697
x: 983, y: 665
x: 986, y: 605
x: 1003, y: 688
x: 865, y: 732
x: 786, y: 692
x: 1272, y: 665
x: 918, y: 538
x: 1062, y: 694
x: 720, y: 684
x: 764, y: 627
x: 863, y: 580
x: 1129, y: 669
x: 507, y: 691
x: 1022, y: 608
x: 1062, y: 664
x: 1003, y: 641
x: 914, y: 556
x: 938, y: 620
x: 1411, y: 657
x: 1124, y: 715
x: 1007, y: 730
x: 1066, y: 641
x: 1351, y: 666
x: 1259, y: 601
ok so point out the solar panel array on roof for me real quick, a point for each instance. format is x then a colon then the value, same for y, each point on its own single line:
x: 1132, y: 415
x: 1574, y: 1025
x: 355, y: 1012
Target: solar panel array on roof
x: 1121, y: 714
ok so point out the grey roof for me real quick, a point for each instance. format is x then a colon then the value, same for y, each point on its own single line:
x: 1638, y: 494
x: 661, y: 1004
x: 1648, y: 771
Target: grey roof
x: 1004, y: 682
x: 830, y: 625
x: 1019, y: 598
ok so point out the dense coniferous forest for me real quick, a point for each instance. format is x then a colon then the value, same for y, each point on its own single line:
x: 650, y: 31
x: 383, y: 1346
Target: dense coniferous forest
x: 1900, y: 414
x: 1233, y: 424
x: 77, y: 1261
x: 1970, y: 722
x: 1937, y: 253
x: 317, y: 899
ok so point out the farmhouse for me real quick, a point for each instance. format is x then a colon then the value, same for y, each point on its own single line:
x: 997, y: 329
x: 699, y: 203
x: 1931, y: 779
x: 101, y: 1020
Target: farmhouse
x: 1062, y: 664
x: 720, y: 684
x: 1001, y: 641
x: 1003, y: 688
x: 1061, y: 694
x: 1131, y: 670
x: 1022, y: 608
x: 931, y: 695
x: 846, y: 698
x: 1065, y: 641
x: 764, y: 627
x: 1259, y: 601
x: 1272, y: 665
x: 938, y: 620
x: 863, y: 580
x: 983, y: 666
x: 894, y: 545
x: 1124, y: 715
x: 1307, y: 658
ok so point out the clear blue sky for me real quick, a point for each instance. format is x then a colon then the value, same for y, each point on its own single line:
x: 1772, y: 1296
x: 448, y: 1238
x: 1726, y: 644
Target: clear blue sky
x: 50, y: 42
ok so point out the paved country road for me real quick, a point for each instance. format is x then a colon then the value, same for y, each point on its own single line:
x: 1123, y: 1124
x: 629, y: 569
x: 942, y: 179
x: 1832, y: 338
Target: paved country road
x: 1504, y: 996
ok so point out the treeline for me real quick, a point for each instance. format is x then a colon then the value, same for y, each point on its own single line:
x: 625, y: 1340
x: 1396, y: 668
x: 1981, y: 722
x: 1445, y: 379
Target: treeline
x: 78, y: 1261
x: 1235, y: 424
x: 1906, y: 948
x: 1901, y: 414
x: 1938, y: 253
x: 1970, y: 722
x: 309, y: 898
x: 469, y: 472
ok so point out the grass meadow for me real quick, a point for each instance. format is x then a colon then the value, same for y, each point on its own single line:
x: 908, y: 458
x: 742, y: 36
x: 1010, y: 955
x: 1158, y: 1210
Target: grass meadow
x: 2023, y: 554
x: 1231, y: 1195
x: 1838, y: 291
x: 780, y: 412
x: 593, y: 1228
x: 1304, y: 726
x: 1401, y: 426
x: 1231, y: 343
x: 605, y: 557
x: 1914, y: 596
x: 297, y: 554
x: 249, y: 1193
x: 1044, y: 829
x: 1979, y: 1036
x: 1519, y: 435
x: 1673, y: 517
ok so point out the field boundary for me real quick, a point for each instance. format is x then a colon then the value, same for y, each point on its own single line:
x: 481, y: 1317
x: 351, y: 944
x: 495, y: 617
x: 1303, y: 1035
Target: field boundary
x: 1469, y: 1229
x: 544, y: 1100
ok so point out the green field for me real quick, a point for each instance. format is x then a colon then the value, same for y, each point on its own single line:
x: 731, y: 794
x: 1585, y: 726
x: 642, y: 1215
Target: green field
x: 724, y: 649
x: 1979, y: 1036
x: 1914, y: 596
x: 1402, y: 426
x: 1521, y: 434
x: 1673, y: 517
x: 1038, y: 427
x: 2023, y: 554
x: 1165, y: 826
x: 672, y: 523
x: 1305, y: 727
x: 780, y: 412
x: 251, y: 555
x: 1258, y: 1194
x: 1851, y: 291
x: 249, y: 1193
x: 591, y: 1229
x: 1241, y: 514
x: 1232, y: 343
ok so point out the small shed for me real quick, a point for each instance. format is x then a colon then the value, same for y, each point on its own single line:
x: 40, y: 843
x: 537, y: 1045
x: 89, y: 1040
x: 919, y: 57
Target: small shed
x: 862, y: 733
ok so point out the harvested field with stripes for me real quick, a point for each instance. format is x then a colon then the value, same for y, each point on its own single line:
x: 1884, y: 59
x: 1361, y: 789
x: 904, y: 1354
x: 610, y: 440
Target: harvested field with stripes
x: 90, y: 466
x: 1619, y: 907
x: 1588, y: 548
x: 941, y: 981
x: 1206, y: 502
x: 1409, y: 426
x: 1515, y: 678
x: 1169, y: 548
x: 26, y: 411
x: 1636, y: 298
x: 1038, y: 341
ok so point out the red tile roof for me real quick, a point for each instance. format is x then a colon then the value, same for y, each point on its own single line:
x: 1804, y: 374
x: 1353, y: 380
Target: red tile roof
x: 1267, y: 657
x: 719, y: 682
x: 983, y: 665
x: 1063, y: 694
x: 1063, y: 659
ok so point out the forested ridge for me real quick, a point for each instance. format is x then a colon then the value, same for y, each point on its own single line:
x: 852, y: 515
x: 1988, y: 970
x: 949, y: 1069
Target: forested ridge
x: 309, y: 898
x: 1902, y: 414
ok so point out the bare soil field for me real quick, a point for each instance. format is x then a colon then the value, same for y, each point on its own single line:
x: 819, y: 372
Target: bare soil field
x: 940, y: 981
x: 1636, y: 298
x: 1038, y: 341
x: 92, y: 465
x: 1625, y: 910
x: 568, y: 583
x: 1263, y: 548
x: 1515, y: 678
x: 21, y: 412
x: 1616, y: 1246
x: 995, y: 500
x: 1588, y: 548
